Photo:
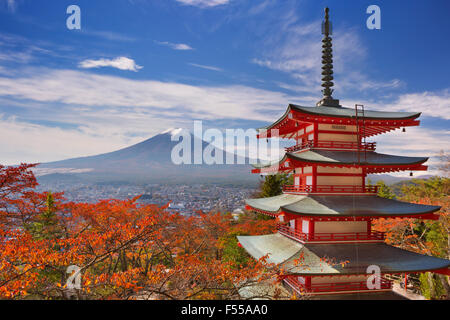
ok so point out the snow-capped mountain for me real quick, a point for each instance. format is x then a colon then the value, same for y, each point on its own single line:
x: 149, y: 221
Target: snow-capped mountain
x: 147, y: 161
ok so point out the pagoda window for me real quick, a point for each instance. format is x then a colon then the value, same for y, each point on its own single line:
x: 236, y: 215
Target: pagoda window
x: 301, y: 280
x: 307, y: 170
x: 305, y: 226
x: 292, y: 224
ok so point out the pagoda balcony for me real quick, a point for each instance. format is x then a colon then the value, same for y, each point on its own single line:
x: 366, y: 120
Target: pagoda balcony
x: 318, y: 288
x: 329, y: 237
x: 341, y: 145
x: 330, y: 189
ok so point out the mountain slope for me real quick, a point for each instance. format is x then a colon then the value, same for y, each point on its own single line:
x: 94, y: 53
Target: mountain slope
x: 148, y: 161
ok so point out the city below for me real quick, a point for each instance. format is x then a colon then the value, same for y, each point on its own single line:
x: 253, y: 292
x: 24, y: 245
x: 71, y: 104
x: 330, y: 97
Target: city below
x: 185, y: 199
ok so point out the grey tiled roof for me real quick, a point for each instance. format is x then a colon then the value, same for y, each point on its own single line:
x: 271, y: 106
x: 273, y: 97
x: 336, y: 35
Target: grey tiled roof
x: 325, y: 258
x: 346, y: 157
x: 350, y: 112
x: 343, y: 112
x: 339, y: 205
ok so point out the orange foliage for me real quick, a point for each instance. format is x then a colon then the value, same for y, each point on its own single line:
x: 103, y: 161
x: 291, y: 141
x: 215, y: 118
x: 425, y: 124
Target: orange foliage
x: 125, y: 250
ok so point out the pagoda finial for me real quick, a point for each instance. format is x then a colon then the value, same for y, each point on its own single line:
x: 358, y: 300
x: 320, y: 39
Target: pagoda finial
x: 327, y: 64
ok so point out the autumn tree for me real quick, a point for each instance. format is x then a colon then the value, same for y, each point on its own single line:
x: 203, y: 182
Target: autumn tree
x: 425, y: 237
x: 122, y: 249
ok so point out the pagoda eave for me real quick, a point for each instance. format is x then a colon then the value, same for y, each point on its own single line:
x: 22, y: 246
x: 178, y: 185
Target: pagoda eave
x: 369, y: 168
x: 315, y: 217
x: 375, y: 123
x: 337, y: 259
x: 339, y: 207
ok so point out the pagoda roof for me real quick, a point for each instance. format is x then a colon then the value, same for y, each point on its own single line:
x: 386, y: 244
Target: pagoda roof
x: 371, y: 158
x: 343, y: 112
x: 326, y: 259
x: 350, y: 112
x: 339, y: 206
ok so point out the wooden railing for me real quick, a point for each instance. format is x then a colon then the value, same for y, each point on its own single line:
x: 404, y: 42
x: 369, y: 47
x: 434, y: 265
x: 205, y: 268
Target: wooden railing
x: 330, y: 189
x: 367, y: 146
x: 338, y: 236
x: 336, y: 286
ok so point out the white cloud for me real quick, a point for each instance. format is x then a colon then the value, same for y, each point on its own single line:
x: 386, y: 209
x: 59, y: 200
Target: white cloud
x: 122, y: 63
x: 415, y: 142
x: 205, y: 67
x: 109, y: 35
x: 295, y: 48
x: 26, y: 142
x: 11, y: 5
x: 434, y: 104
x: 101, y: 113
x: 85, y: 89
x: 204, y: 3
x: 175, y: 46
x: 430, y: 103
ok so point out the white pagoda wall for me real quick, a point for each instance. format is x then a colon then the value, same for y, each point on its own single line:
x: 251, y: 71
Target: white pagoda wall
x: 337, y: 136
x: 339, y: 279
x: 340, y: 226
x: 340, y: 180
x: 338, y: 170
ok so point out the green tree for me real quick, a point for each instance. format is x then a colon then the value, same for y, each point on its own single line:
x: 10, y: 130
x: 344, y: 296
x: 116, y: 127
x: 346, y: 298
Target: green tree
x: 385, y: 191
x: 431, y: 286
x: 46, y: 225
x: 231, y: 251
x: 273, y: 185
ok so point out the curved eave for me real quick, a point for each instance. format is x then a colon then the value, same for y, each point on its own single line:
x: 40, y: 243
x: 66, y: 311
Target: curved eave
x: 344, y: 113
x: 281, y: 119
x: 341, y: 158
x: 351, y: 158
x: 339, y: 206
x: 316, y: 257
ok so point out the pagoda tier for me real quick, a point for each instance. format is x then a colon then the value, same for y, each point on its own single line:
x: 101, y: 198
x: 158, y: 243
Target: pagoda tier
x: 323, y: 118
x: 372, y: 162
x: 338, y: 207
x: 337, y: 268
x: 337, y: 259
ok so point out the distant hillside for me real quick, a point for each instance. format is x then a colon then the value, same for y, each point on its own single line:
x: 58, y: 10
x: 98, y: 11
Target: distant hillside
x: 397, y: 187
x: 390, y: 180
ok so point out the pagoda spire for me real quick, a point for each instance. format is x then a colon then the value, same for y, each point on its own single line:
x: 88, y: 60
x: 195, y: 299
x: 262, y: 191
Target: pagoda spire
x: 327, y: 64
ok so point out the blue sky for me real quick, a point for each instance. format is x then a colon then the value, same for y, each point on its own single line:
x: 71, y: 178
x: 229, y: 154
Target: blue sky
x: 138, y: 67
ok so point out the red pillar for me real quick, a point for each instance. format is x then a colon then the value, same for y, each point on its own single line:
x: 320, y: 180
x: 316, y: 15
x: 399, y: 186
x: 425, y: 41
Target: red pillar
x: 316, y: 132
x: 308, y: 282
x: 314, y: 178
x: 406, y: 282
x: 310, y: 228
x: 369, y: 226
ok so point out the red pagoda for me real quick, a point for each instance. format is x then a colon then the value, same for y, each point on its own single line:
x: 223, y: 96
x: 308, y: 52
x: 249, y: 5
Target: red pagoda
x: 326, y: 215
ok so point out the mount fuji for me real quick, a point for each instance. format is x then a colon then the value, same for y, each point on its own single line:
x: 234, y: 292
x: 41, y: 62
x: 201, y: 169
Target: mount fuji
x: 146, y: 162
